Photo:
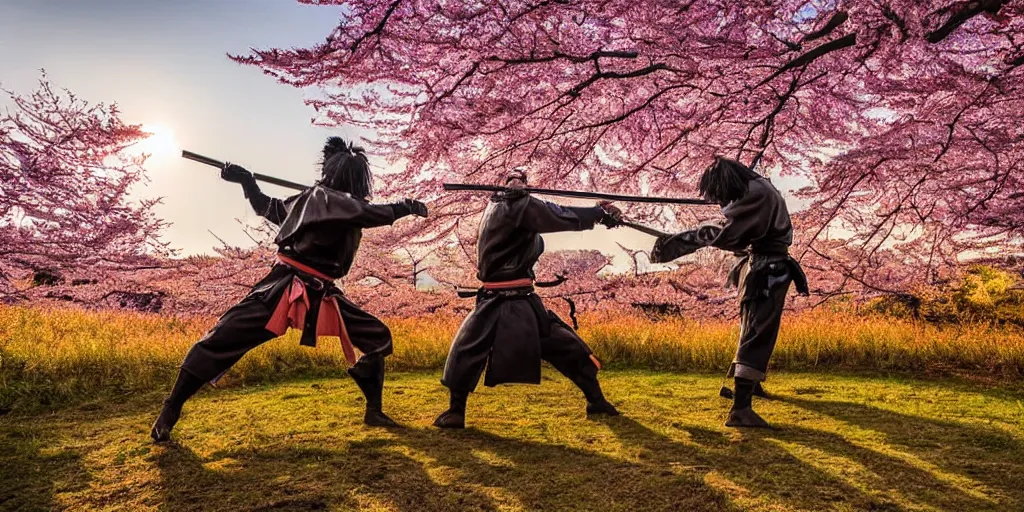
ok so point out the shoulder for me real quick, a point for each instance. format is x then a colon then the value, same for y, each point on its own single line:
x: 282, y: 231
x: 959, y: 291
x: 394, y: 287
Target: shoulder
x: 758, y: 192
x: 761, y: 189
x: 510, y: 196
x: 332, y: 196
x: 512, y: 200
x: 760, y: 186
x: 322, y: 197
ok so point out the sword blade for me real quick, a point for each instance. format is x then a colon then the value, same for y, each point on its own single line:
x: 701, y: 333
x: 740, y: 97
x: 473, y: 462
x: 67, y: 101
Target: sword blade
x: 279, y: 182
x: 644, y: 229
x: 465, y: 187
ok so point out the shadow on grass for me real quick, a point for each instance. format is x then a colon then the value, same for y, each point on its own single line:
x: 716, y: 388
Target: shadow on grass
x: 425, y: 470
x: 925, y: 455
x: 31, y: 475
x: 36, y: 462
x: 833, y: 455
x: 750, y: 463
x: 900, y: 461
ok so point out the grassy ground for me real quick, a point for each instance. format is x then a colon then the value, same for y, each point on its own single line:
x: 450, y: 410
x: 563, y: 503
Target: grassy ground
x: 50, y: 358
x: 845, y: 443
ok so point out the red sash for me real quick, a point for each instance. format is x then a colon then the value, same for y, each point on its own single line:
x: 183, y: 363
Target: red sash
x: 291, y: 310
x: 509, y: 285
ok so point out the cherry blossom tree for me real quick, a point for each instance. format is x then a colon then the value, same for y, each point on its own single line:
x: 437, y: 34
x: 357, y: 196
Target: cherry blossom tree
x: 65, y: 178
x: 903, y: 117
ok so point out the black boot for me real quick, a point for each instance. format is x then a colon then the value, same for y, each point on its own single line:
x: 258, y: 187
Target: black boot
x: 742, y: 415
x: 596, y: 402
x: 759, y: 392
x: 368, y: 373
x: 455, y: 416
x: 184, y: 387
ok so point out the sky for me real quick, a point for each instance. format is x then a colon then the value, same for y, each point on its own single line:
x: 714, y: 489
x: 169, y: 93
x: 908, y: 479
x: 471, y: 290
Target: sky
x: 164, y: 63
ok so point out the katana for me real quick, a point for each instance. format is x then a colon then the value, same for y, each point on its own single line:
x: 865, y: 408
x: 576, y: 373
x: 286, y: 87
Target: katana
x: 463, y: 187
x: 644, y: 229
x: 196, y: 157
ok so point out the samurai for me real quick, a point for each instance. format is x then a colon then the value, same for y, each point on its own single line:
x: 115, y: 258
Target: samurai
x: 510, y: 331
x: 319, y: 234
x: 757, y: 226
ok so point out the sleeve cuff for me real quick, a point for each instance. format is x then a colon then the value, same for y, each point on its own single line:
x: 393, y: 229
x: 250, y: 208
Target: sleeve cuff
x: 250, y: 188
x: 401, y: 210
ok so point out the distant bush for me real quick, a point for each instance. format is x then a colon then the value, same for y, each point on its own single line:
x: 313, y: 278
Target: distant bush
x: 984, y: 294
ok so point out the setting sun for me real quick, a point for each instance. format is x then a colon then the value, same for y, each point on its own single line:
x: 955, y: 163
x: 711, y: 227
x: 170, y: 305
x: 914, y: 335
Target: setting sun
x: 160, y: 143
x: 522, y: 255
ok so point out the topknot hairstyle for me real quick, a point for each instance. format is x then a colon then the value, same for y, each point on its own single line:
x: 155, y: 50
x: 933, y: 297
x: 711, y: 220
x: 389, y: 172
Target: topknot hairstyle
x: 346, y: 169
x: 519, y: 173
x: 335, y: 145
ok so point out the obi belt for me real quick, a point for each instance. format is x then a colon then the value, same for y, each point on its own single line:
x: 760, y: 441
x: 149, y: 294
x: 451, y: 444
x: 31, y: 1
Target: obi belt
x: 765, y: 273
x: 310, y: 303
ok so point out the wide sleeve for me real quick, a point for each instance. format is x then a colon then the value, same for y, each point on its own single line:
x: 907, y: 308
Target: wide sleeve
x: 746, y: 219
x: 319, y: 206
x: 544, y: 217
x: 668, y: 248
x: 344, y: 209
x: 270, y: 208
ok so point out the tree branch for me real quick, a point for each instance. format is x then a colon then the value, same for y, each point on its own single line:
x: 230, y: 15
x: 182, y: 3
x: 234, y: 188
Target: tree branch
x: 837, y: 19
x: 379, y: 28
x: 967, y: 11
x: 812, y: 55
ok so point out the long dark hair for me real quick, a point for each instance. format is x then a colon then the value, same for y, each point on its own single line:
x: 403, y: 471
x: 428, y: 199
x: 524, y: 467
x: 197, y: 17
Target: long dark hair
x: 725, y: 181
x: 346, y: 169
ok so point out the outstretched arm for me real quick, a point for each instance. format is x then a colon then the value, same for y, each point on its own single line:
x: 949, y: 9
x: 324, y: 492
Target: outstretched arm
x: 668, y: 248
x: 746, y: 220
x: 544, y: 217
x: 270, y: 208
x: 265, y: 206
x: 324, y: 205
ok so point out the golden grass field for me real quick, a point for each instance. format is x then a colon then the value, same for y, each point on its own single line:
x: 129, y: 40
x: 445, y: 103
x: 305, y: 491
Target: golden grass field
x: 873, y: 413
x: 51, y: 356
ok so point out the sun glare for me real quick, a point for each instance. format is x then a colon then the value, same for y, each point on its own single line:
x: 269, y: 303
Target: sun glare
x: 160, y: 143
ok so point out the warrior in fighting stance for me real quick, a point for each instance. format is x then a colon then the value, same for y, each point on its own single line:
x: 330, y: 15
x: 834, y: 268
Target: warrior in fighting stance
x: 756, y: 223
x: 320, y: 231
x: 510, y: 331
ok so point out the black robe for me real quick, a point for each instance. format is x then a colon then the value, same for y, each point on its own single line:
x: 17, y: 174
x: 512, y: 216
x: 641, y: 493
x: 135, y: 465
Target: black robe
x: 510, y: 332
x: 758, y: 225
x: 320, y: 228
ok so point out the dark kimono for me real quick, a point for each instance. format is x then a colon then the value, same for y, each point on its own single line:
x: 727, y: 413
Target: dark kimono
x: 320, y: 231
x: 510, y: 331
x: 759, y: 226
